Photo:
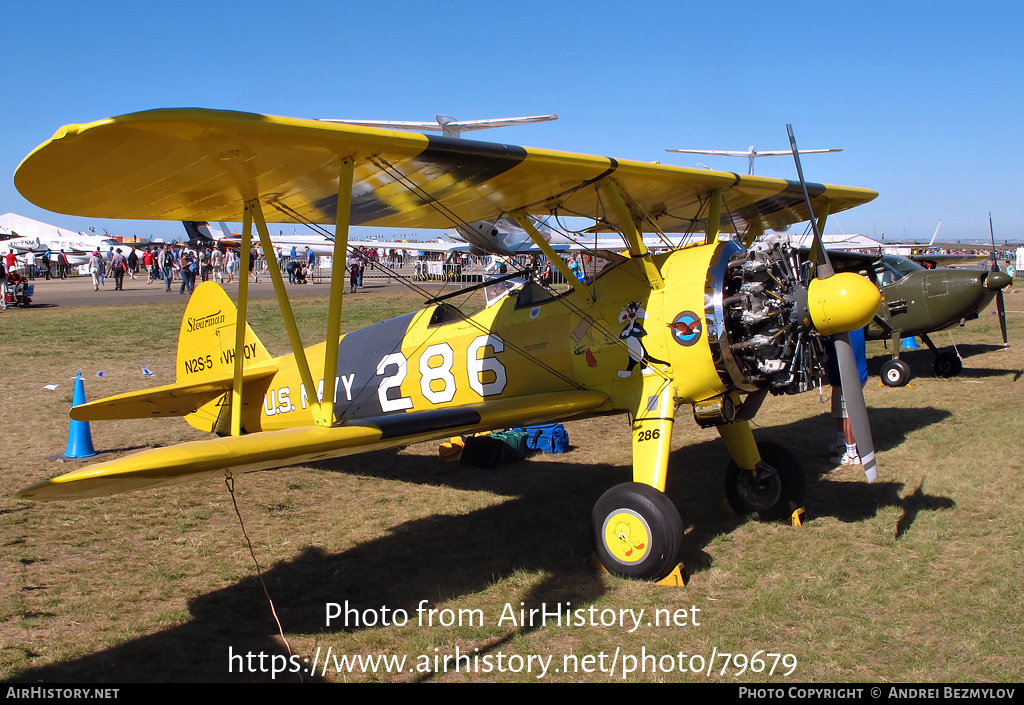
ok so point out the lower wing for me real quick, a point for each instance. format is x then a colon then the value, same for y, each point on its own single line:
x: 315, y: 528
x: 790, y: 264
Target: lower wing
x: 274, y: 449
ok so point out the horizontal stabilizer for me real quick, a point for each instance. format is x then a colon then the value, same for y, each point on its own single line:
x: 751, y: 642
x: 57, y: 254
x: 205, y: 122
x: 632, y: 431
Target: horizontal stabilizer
x: 274, y: 449
x: 178, y: 399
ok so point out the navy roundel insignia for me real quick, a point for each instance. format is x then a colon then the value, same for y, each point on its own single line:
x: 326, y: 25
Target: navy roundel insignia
x: 686, y: 328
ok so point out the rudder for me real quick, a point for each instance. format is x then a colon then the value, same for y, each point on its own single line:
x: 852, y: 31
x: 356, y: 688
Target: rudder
x: 206, y: 340
x: 206, y: 348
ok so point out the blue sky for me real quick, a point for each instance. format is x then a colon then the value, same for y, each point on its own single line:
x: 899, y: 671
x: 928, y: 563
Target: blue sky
x: 926, y: 100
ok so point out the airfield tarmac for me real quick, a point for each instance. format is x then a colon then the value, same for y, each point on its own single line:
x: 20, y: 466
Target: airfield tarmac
x: 78, y: 291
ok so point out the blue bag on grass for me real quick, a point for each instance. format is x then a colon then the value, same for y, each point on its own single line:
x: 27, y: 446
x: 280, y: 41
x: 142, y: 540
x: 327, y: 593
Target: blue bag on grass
x: 547, y: 438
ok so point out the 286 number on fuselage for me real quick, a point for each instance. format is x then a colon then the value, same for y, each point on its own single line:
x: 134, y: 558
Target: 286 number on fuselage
x: 437, y: 381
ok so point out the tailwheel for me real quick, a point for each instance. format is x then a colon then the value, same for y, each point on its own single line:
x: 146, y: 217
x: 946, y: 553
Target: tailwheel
x: 636, y: 531
x: 948, y: 364
x: 774, y: 490
x: 895, y: 373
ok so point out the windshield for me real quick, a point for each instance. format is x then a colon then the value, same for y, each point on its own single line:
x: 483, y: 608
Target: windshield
x: 892, y: 268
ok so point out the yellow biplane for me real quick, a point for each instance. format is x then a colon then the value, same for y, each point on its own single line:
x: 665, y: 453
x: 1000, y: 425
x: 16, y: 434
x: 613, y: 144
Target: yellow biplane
x: 715, y: 326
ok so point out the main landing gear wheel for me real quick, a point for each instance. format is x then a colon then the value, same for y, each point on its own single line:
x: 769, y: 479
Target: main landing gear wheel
x: 773, y: 491
x: 636, y: 531
x: 948, y: 364
x: 895, y: 373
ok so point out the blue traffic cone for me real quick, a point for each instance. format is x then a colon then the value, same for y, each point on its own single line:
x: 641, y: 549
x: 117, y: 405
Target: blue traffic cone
x: 909, y: 343
x: 80, y: 435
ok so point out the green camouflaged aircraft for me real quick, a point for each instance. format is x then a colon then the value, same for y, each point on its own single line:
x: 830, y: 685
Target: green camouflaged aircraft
x: 917, y: 301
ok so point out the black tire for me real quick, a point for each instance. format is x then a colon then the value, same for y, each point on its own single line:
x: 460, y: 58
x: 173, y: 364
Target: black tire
x: 775, y: 493
x: 948, y: 364
x: 636, y: 531
x: 895, y: 373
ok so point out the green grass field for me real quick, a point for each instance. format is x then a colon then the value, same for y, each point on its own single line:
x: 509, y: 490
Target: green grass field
x: 913, y: 578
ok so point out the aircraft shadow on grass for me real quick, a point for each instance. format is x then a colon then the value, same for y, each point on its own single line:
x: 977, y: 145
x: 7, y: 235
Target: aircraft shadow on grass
x: 542, y: 527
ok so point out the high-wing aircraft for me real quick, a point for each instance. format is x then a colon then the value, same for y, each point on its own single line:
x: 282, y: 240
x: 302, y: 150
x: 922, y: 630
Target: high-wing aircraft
x: 445, y: 124
x: 751, y: 154
x: 716, y: 326
x: 917, y: 301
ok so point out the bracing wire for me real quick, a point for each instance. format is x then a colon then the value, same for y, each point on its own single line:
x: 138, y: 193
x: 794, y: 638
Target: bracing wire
x: 429, y: 200
x: 230, y: 482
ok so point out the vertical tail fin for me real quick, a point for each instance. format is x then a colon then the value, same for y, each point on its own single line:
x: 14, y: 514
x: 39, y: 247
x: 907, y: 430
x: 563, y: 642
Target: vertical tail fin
x: 206, y: 341
x: 200, y: 234
x: 206, y: 349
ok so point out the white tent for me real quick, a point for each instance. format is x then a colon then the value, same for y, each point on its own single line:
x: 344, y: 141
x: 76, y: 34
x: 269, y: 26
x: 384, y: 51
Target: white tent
x: 837, y: 241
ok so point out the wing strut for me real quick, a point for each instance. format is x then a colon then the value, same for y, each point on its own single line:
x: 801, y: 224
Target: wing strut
x: 637, y: 249
x: 241, y: 322
x: 755, y: 231
x: 323, y: 407
x: 549, y: 252
x: 338, y: 267
x: 256, y: 211
x: 714, y: 217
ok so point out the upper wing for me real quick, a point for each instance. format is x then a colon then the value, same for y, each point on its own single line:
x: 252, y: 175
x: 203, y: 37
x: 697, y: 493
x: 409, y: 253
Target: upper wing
x: 191, y: 164
x: 274, y: 449
x: 939, y: 260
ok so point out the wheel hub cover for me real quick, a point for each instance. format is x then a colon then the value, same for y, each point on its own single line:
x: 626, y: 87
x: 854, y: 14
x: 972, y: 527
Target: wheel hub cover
x: 627, y: 536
